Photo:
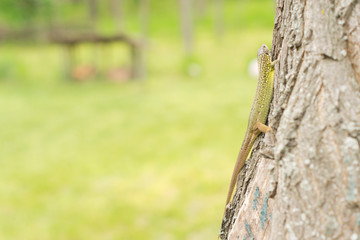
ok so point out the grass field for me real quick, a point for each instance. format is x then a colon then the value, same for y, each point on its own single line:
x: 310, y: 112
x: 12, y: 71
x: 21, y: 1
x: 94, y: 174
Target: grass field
x: 135, y: 160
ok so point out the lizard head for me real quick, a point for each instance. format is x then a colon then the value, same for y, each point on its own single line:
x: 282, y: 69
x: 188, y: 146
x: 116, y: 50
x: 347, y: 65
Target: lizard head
x: 263, y: 50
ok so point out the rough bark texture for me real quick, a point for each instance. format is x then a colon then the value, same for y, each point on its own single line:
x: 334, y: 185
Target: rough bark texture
x: 311, y: 190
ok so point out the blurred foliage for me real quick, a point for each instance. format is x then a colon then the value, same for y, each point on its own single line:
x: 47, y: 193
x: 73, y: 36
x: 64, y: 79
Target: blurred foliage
x: 25, y: 12
x: 164, y: 15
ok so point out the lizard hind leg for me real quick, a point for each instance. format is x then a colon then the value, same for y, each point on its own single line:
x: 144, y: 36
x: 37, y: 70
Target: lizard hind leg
x: 262, y: 127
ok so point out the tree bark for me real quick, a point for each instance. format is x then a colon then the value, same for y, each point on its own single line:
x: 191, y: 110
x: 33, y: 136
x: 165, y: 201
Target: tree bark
x: 311, y: 190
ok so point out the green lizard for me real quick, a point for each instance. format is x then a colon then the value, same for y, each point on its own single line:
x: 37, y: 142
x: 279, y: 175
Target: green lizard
x: 259, y: 111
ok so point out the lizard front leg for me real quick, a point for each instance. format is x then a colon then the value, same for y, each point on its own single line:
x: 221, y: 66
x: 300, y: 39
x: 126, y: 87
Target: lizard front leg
x: 273, y: 63
x: 262, y: 127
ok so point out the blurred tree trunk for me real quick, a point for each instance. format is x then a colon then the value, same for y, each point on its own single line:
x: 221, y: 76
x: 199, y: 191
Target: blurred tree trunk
x: 93, y: 12
x: 219, y: 19
x: 311, y: 190
x: 200, y: 6
x: 140, y: 71
x: 117, y: 7
x: 144, y: 13
x: 187, y: 26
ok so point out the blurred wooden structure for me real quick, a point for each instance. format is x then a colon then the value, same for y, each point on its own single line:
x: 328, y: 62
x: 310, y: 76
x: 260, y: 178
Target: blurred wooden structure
x: 72, y: 32
x: 70, y: 42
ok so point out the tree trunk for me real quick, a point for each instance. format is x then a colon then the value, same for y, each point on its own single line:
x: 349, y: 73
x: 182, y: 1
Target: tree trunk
x: 140, y: 56
x: 117, y: 8
x: 200, y: 8
x: 187, y: 26
x: 311, y: 190
x: 219, y: 18
x: 93, y: 13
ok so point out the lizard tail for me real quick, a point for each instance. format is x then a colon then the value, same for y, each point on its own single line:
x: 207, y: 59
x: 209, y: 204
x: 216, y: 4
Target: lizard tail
x: 244, y: 152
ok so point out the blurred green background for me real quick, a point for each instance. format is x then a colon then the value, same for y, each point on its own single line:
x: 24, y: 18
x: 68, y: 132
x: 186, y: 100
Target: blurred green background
x: 130, y: 159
